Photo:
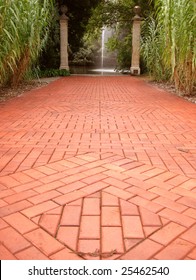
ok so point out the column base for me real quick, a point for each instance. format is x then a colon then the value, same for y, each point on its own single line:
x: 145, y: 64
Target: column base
x: 66, y: 67
x: 135, y: 71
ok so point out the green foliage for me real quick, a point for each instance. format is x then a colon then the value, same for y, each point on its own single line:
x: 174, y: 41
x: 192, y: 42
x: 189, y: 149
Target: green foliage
x: 79, y: 13
x: 168, y: 37
x: 109, y: 14
x: 169, y: 41
x: 24, y: 27
x: 84, y: 56
x: 51, y: 73
x: 50, y: 56
x: 152, y: 50
x: 117, y: 14
x: 123, y: 48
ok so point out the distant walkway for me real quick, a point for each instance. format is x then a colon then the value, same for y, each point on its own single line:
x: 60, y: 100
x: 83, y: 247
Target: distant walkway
x: 98, y: 167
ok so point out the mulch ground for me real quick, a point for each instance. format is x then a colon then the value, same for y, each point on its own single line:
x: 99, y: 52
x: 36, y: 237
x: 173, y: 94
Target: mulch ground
x: 9, y: 92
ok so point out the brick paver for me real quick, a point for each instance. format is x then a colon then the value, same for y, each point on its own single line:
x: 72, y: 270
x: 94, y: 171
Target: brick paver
x: 97, y: 168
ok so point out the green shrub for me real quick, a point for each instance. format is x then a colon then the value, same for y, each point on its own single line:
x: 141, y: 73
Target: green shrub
x: 51, y: 73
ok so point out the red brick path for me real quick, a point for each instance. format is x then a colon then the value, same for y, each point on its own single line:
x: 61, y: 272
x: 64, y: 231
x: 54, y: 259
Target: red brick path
x: 98, y: 168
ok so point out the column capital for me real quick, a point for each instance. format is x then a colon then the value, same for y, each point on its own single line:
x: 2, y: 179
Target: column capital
x: 63, y: 11
x: 137, y: 11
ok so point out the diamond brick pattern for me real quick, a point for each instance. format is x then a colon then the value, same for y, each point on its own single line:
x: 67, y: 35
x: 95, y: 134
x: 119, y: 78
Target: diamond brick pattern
x: 104, y: 171
x: 103, y: 220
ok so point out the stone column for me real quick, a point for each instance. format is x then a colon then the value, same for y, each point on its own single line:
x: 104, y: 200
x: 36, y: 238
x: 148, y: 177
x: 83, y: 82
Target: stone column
x: 135, y: 61
x: 64, y: 39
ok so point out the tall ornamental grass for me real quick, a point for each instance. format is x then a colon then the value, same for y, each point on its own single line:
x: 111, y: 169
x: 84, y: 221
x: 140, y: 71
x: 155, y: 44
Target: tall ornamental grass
x: 169, y: 45
x: 24, y: 28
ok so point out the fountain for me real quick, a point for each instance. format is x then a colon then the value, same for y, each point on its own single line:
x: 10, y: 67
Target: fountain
x: 106, y: 61
x: 102, y: 46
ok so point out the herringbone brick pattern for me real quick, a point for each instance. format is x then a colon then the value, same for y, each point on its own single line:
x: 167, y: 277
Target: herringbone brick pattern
x: 98, y: 168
